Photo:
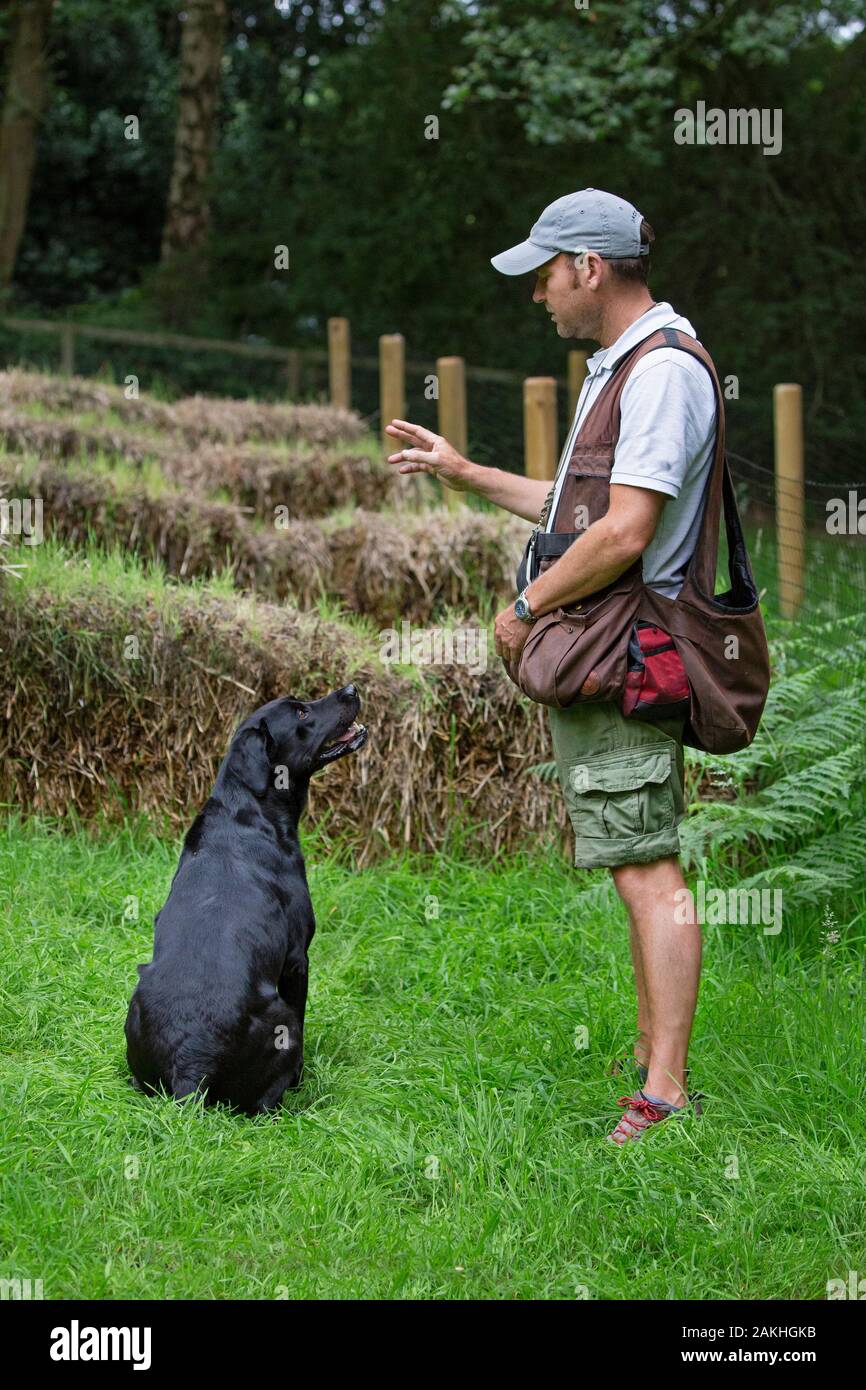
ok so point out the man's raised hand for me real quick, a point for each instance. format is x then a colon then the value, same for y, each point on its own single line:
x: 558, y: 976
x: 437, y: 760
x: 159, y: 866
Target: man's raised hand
x: 429, y: 453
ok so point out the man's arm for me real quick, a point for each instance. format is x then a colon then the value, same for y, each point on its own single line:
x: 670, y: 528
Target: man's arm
x: 512, y: 491
x: 603, y: 552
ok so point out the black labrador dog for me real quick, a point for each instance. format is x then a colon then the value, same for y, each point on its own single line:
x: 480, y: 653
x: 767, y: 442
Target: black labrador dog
x: 220, y: 1008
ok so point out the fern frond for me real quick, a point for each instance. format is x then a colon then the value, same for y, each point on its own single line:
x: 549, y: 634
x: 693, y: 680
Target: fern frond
x: 545, y: 772
x: 797, y: 646
x: 832, y: 863
x: 788, y: 809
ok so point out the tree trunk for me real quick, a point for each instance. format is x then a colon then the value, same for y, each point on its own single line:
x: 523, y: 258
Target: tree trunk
x: 188, y: 214
x: 26, y: 98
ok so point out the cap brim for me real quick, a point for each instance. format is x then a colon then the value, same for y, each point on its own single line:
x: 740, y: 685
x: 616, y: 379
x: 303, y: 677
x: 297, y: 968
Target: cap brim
x: 517, y: 260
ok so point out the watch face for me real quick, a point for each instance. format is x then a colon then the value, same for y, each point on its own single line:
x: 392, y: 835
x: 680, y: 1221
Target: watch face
x: 521, y: 608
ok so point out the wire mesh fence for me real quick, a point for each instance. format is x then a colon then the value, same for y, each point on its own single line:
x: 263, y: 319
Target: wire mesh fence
x: 834, y: 561
x: 163, y: 371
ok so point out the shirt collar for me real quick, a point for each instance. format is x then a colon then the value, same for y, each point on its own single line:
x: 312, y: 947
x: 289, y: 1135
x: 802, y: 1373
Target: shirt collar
x: 661, y: 315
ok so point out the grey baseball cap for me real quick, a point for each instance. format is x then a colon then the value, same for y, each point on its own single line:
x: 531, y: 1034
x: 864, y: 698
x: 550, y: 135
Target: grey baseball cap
x: 590, y: 220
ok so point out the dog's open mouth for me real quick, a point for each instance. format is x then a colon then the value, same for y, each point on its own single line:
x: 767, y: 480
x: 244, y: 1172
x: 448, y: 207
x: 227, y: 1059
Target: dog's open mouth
x: 349, y: 741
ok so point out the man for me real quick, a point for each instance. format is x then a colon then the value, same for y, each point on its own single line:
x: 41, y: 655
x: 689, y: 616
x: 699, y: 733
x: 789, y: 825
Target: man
x: 590, y: 254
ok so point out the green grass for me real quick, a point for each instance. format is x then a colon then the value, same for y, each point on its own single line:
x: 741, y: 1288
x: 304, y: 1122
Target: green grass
x: 66, y: 571
x: 125, y: 477
x: 449, y: 1138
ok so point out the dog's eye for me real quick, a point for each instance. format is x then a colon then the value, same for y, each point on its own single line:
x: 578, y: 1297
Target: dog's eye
x: 301, y: 713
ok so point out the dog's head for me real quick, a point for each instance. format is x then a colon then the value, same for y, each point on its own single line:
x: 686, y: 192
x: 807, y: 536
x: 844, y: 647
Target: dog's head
x: 284, y: 742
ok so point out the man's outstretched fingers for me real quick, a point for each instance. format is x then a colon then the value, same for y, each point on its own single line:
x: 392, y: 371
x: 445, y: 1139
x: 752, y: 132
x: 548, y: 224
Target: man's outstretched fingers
x: 428, y: 452
x: 416, y: 434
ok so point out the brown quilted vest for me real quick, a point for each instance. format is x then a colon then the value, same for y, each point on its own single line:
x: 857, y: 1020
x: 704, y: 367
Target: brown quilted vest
x: 580, y: 653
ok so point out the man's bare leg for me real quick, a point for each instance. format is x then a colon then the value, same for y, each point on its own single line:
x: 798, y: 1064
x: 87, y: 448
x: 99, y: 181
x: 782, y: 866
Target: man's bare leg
x: 670, y: 955
x: 643, y: 1042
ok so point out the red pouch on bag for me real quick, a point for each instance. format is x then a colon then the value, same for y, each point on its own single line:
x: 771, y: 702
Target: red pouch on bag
x: 656, y: 684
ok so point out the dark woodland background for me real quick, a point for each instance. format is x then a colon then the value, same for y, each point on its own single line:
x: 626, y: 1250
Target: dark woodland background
x: 303, y: 125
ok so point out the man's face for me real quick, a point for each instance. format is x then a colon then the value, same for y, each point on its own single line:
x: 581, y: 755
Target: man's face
x: 574, y: 309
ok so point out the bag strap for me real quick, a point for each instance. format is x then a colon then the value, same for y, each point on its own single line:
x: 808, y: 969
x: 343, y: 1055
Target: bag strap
x: 719, y: 488
x: 603, y: 421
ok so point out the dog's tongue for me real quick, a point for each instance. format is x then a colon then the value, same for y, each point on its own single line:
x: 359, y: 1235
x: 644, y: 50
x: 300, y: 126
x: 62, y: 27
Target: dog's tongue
x: 348, y: 735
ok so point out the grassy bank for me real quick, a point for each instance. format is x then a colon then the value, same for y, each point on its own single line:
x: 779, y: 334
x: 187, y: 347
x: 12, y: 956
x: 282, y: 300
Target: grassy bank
x: 448, y: 1141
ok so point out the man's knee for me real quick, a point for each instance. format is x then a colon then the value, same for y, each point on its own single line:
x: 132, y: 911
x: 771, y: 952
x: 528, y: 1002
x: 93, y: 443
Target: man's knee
x: 633, y: 881
x: 627, y: 878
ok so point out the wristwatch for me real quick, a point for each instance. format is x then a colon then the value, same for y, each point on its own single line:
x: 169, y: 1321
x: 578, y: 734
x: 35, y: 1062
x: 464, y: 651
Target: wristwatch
x: 522, y: 609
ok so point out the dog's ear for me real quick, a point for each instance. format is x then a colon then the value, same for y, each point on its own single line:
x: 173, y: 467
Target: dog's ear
x: 251, y: 756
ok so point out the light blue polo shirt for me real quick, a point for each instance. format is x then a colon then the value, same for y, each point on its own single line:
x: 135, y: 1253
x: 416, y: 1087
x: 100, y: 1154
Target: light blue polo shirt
x: 668, y: 412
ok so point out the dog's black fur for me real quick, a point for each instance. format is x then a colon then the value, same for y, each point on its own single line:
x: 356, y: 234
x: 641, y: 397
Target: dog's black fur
x: 220, y: 1008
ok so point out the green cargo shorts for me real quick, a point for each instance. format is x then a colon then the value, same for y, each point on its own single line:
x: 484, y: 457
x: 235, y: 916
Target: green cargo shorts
x: 623, y: 782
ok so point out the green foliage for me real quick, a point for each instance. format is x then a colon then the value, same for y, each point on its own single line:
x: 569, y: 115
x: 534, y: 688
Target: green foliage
x: 616, y: 68
x: 94, y: 217
x: 323, y: 148
x: 799, y: 814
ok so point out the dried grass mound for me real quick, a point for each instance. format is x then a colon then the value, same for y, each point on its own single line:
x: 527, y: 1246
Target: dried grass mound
x: 306, y: 484
x: 214, y: 419
x: 56, y: 439
x: 389, y: 566
x: 70, y: 395
x: 223, y: 421
x: 124, y: 697
x: 413, y: 564
x: 191, y: 537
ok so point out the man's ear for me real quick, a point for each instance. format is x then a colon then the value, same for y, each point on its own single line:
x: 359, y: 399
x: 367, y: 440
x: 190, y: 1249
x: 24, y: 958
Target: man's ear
x: 250, y: 758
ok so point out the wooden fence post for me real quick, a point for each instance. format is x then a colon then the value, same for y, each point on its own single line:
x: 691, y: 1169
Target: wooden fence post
x: 790, y: 496
x: 339, y: 362
x: 451, y: 372
x: 539, y: 427
x: 392, y: 384
x: 293, y: 374
x: 576, y: 377
x: 67, y: 349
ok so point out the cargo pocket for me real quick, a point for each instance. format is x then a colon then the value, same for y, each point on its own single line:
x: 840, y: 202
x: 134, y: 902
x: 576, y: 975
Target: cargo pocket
x: 622, y: 796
